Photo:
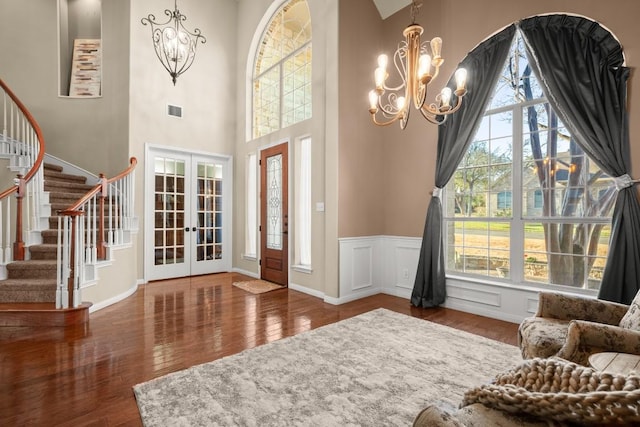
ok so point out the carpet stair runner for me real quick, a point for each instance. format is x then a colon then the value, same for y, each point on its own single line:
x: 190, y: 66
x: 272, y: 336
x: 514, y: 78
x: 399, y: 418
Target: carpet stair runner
x: 27, y: 296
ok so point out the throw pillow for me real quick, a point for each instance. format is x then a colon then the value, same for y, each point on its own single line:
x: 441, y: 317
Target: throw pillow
x: 631, y: 320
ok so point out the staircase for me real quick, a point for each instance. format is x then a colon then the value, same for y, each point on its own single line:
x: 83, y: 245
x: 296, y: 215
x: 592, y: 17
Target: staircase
x: 55, y: 230
x: 29, y: 292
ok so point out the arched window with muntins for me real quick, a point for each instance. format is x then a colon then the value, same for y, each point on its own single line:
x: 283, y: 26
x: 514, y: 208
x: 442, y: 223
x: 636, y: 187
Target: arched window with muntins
x: 526, y: 203
x: 282, y: 70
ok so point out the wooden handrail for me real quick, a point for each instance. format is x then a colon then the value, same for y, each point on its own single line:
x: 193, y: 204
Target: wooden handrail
x: 99, y: 187
x: 21, y: 182
x: 36, y: 127
x: 9, y: 191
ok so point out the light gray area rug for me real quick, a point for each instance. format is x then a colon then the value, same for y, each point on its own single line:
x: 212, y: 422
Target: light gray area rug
x: 376, y: 369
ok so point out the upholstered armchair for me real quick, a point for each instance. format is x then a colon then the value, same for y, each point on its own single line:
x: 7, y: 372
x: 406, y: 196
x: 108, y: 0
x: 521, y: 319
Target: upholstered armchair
x: 574, y: 327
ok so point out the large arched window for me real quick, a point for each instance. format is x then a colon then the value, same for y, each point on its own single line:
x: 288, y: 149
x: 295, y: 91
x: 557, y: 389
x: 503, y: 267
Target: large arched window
x: 526, y: 204
x: 282, y: 70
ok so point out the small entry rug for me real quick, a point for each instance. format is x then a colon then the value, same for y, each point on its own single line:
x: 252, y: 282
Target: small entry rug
x: 376, y: 369
x: 257, y: 286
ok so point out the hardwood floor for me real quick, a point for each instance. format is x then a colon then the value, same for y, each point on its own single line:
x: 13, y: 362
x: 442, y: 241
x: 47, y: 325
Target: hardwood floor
x: 84, y: 375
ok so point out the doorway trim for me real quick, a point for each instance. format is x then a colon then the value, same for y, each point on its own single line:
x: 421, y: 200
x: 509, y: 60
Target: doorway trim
x: 150, y: 150
x: 287, y: 236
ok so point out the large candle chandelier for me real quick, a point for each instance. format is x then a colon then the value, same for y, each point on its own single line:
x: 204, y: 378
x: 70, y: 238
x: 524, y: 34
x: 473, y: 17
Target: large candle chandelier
x: 418, y: 66
x: 175, y: 46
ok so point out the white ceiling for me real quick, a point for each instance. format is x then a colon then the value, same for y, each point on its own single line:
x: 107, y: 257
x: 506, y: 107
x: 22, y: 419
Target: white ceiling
x: 387, y: 8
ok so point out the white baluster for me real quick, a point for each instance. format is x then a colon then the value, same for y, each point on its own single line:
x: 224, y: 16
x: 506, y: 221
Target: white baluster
x: 79, y: 260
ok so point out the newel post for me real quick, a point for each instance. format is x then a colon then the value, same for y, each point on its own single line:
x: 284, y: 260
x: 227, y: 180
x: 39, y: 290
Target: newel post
x: 102, y: 249
x: 18, y: 245
x: 73, y: 282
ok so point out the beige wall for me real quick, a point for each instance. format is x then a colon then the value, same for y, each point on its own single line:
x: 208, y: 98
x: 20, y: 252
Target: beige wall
x: 205, y: 92
x: 363, y: 171
x: 115, y: 279
x: 406, y: 160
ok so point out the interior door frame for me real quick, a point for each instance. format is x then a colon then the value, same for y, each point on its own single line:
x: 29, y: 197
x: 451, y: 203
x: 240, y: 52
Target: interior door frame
x: 286, y: 238
x: 152, y: 150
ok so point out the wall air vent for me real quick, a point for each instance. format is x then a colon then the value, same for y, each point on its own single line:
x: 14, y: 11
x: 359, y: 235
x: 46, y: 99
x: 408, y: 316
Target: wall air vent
x: 174, y: 110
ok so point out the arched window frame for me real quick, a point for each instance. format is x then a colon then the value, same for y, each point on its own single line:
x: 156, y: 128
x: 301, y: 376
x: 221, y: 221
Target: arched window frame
x: 287, y: 99
x: 520, y: 265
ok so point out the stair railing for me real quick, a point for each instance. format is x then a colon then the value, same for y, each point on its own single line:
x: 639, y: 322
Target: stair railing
x: 22, y: 142
x: 102, y: 218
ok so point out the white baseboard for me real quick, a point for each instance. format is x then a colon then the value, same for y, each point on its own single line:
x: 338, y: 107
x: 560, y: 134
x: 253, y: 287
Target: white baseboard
x: 113, y: 300
x: 313, y: 292
x: 353, y: 296
x: 246, y: 272
x: 333, y: 300
x: 398, y: 292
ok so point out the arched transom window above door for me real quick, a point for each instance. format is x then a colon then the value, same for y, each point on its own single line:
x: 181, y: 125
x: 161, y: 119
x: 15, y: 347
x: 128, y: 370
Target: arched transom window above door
x: 281, y: 83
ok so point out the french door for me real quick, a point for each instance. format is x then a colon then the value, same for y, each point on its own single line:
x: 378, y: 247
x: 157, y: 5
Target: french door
x: 274, y: 218
x: 187, y: 214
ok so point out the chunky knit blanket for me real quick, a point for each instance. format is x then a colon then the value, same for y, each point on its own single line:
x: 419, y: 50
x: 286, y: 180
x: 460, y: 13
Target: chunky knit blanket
x: 563, y: 391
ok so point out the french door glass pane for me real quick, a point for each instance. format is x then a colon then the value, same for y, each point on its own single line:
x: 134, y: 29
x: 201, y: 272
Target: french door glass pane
x: 169, y: 208
x: 209, y: 243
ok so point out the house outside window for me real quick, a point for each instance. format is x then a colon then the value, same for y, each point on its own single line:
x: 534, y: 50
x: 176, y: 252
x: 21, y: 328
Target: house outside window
x: 282, y: 70
x: 526, y: 204
x: 537, y: 199
x: 504, y: 200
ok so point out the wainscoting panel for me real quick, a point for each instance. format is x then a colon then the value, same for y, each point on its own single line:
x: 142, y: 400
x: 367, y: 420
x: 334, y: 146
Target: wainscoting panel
x: 532, y: 305
x: 388, y: 264
x: 401, y: 263
x: 361, y: 275
x: 361, y: 270
x: 491, y: 299
x: 469, y: 294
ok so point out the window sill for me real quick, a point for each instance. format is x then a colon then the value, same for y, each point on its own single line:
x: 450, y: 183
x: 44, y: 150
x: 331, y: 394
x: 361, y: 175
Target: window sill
x: 302, y: 269
x: 250, y: 257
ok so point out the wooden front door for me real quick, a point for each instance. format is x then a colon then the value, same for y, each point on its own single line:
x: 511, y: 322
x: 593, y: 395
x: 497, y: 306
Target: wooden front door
x: 274, y: 219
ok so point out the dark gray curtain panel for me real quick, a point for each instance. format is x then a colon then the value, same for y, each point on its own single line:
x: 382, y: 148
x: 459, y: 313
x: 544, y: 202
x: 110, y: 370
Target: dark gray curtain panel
x: 580, y: 66
x: 483, y: 64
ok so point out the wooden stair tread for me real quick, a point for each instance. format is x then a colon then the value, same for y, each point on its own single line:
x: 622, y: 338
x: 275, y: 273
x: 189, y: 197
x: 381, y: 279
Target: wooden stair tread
x: 27, y: 306
x: 38, y: 306
x: 42, y: 314
x: 51, y: 166
x: 31, y: 263
x: 61, y: 176
x: 28, y: 282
